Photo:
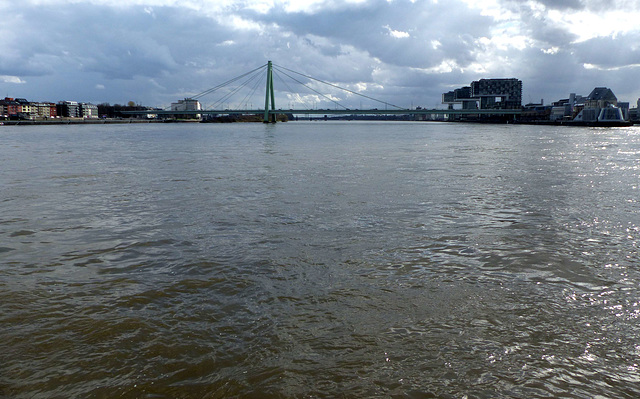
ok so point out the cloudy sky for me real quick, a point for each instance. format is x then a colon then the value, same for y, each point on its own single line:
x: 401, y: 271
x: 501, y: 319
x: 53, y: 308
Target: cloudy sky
x: 405, y: 52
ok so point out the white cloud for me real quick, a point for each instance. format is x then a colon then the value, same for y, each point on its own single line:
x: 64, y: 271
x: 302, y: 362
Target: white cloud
x: 602, y: 68
x: 587, y: 25
x: 446, y: 66
x: 239, y: 23
x: 12, y: 79
x: 491, y: 8
x: 396, y: 33
x: 149, y: 10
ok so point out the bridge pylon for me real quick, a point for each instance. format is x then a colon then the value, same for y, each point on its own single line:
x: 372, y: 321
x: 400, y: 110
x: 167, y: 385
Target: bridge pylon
x: 269, y: 96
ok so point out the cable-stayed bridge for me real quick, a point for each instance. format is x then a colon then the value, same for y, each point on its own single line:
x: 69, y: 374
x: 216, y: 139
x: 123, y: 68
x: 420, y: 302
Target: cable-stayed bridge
x: 255, y: 79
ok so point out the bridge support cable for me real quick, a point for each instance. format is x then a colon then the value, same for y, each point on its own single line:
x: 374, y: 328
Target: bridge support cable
x: 255, y: 77
x: 338, y: 87
x: 297, y: 96
x: 227, y: 83
x: 313, y: 90
x: 254, y: 88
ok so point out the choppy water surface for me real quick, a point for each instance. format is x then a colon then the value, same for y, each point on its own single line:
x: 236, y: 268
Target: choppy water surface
x: 319, y: 260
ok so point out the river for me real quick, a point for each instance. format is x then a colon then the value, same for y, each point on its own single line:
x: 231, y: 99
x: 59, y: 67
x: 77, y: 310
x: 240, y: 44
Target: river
x: 319, y: 259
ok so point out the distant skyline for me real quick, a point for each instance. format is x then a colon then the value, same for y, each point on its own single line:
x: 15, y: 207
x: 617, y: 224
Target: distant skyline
x: 405, y: 52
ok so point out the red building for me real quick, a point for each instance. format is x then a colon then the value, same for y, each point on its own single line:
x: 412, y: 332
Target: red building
x: 10, y: 107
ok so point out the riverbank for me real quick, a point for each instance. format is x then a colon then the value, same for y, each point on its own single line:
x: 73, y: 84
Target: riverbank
x: 76, y: 121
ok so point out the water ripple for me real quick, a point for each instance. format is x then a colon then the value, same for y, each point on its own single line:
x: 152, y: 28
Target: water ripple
x: 319, y: 260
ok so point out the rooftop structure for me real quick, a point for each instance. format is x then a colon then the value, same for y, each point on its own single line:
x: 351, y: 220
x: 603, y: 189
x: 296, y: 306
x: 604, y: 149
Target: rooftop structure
x: 601, y: 97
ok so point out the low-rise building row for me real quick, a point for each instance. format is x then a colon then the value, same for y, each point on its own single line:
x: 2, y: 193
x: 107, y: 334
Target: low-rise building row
x: 20, y: 108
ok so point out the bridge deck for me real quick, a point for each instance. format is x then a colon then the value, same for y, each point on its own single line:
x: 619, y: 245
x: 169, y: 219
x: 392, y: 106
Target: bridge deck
x: 333, y: 112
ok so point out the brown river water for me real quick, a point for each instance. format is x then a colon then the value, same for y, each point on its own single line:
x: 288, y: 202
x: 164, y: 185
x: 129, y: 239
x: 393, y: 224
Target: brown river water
x: 319, y: 260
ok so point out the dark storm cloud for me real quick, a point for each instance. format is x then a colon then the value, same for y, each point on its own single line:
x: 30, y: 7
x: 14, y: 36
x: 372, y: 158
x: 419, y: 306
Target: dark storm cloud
x: 110, y: 41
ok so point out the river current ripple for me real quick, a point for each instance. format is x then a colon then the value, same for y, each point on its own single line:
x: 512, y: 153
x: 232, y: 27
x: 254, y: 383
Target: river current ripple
x: 330, y: 259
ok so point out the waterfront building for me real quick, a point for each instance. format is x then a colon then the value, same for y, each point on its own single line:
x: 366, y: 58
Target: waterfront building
x: 20, y: 108
x: 46, y: 110
x: 68, y: 109
x: 536, y: 112
x: 633, y: 112
x: 460, y: 96
x: 27, y: 110
x: 188, y: 104
x: 601, y: 97
x: 487, y: 94
x: 602, y: 106
x: 11, y: 108
x: 563, y: 109
x: 624, y: 107
x: 567, y: 108
x: 87, y: 111
x: 4, y: 108
x: 498, y: 93
x: 560, y: 112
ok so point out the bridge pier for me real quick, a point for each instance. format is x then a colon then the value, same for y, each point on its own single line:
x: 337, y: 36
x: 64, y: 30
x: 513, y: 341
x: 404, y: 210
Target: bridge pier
x: 269, y: 95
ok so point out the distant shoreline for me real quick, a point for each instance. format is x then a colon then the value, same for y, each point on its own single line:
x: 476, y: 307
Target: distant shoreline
x: 80, y: 122
x: 107, y: 121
